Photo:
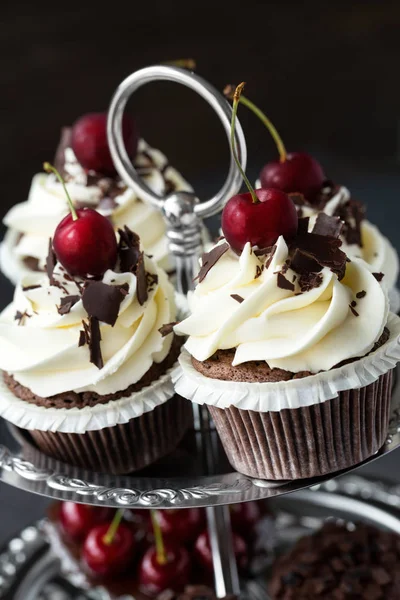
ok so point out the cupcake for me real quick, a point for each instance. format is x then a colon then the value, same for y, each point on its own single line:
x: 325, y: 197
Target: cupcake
x: 290, y: 346
x: 85, y: 367
x: 92, y: 182
x: 361, y: 563
x: 301, y: 176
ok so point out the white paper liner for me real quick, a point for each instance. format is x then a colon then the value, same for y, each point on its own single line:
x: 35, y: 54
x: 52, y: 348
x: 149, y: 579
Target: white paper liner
x: 296, y: 393
x: 90, y: 418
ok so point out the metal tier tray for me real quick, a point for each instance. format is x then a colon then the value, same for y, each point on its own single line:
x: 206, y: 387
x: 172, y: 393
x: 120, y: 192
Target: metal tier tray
x: 179, y: 481
x: 29, y: 570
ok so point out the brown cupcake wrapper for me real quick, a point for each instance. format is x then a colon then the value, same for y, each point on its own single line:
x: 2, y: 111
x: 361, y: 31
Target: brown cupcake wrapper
x: 122, y: 448
x: 308, y: 441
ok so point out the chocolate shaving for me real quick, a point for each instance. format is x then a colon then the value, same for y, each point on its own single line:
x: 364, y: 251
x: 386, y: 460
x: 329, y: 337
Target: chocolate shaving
x: 128, y: 250
x: 302, y: 226
x: 209, y: 259
x: 310, y: 281
x: 284, y: 284
x: 327, y: 225
x: 167, y: 328
x: 312, y: 252
x: 30, y: 287
x: 94, y: 343
x: 270, y: 257
x: 378, y: 276
x: 259, y: 270
x: 82, y: 338
x: 141, y: 281
x: 352, y: 213
x: 353, y: 310
x: 102, y: 301
x: 237, y: 298
x: 20, y: 317
x: 361, y: 294
x: 151, y: 280
x: 353, y: 303
x: 67, y: 302
x: 51, y: 262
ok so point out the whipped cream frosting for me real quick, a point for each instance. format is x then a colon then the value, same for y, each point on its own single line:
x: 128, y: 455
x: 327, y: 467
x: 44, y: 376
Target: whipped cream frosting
x: 31, y: 223
x: 243, y: 304
x: 40, y: 347
x: 376, y: 249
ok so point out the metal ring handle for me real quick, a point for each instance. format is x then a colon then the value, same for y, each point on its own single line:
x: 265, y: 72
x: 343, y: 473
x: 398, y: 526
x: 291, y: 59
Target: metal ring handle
x: 214, y: 98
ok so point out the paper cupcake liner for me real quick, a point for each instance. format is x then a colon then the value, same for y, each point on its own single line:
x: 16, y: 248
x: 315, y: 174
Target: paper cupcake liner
x: 296, y: 393
x: 308, y: 441
x: 121, y: 448
x: 91, y: 418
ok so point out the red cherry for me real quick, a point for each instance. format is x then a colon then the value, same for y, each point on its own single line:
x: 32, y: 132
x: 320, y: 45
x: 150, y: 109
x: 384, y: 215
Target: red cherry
x: 260, y: 223
x: 203, y: 554
x: 244, y: 518
x: 90, y: 145
x: 174, y: 574
x: 300, y: 172
x: 181, y: 525
x: 77, y: 519
x: 107, y: 559
x: 87, y: 245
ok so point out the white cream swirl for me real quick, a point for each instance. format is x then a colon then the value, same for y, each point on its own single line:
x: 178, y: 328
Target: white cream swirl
x: 309, y: 331
x: 37, y: 218
x: 41, y: 350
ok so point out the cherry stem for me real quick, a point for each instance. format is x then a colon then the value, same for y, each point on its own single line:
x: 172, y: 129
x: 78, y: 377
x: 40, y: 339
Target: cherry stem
x: 236, y: 100
x: 112, y: 530
x: 184, y: 63
x: 50, y: 169
x: 158, y: 538
x: 228, y: 91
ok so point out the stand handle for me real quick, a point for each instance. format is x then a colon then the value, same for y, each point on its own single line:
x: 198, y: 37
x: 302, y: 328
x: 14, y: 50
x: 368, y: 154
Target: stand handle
x: 183, y: 213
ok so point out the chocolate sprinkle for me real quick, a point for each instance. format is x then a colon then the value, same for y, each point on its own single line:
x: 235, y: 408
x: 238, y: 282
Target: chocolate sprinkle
x: 361, y: 294
x: 51, y: 262
x: 283, y: 283
x: 353, y: 310
x: 67, y: 302
x: 312, y: 252
x: 82, y: 338
x: 310, y: 281
x: 102, y: 301
x: 327, y: 225
x: 378, y: 276
x: 237, y: 298
x: 141, y: 281
x: 302, y: 226
x: 270, y: 257
x: 94, y: 343
x: 167, y: 328
x: 30, y: 287
x: 128, y: 250
x: 209, y: 259
x: 259, y: 270
x: 20, y: 317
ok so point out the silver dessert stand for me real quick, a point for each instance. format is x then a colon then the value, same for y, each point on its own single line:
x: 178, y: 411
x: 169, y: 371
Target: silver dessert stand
x: 198, y: 473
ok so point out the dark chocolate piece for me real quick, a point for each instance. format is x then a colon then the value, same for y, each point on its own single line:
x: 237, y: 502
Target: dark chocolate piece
x: 353, y: 310
x: 309, y: 281
x: 167, y: 328
x: 82, y: 338
x: 259, y: 270
x: 237, y: 298
x: 361, y: 294
x: 94, y: 343
x: 302, y: 227
x: 67, y: 302
x: 283, y: 283
x: 51, y: 262
x: 20, y: 317
x: 323, y: 250
x: 128, y: 250
x: 209, y: 259
x: 102, y: 301
x: 378, y: 276
x: 270, y: 257
x: 327, y: 225
x: 141, y: 280
x: 30, y: 287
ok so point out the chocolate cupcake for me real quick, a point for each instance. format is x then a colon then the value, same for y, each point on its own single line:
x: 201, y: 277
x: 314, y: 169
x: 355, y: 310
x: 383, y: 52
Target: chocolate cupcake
x: 85, y: 367
x: 335, y: 562
x: 292, y: 349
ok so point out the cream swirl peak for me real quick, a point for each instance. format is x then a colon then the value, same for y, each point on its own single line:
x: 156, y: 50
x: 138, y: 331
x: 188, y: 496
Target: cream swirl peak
x: 300, y: 308
x: 31, y: 223
x: 63, y: 334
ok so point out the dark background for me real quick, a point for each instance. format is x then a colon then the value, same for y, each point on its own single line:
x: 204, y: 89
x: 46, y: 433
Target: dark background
x: 325, y: 72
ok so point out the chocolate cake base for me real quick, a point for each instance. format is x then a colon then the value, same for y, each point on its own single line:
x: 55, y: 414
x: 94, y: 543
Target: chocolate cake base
x: 338, y: 564
x: 308, y: 441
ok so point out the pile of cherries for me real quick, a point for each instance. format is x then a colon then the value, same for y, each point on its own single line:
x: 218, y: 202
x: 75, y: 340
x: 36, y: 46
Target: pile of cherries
x: 167, y: 550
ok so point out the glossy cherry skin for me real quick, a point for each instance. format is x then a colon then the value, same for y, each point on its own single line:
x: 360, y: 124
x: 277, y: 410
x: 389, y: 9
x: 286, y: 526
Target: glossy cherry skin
x: 77, y: 519
x: 181, y: 525
x: 300, y: 172
x: 174, y: 574
x: 108, y: 559
x: 87, y: 246
x: 203, y: 554
x: 90, y: 145
x: 259, y: 223
x: 244, y: 518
